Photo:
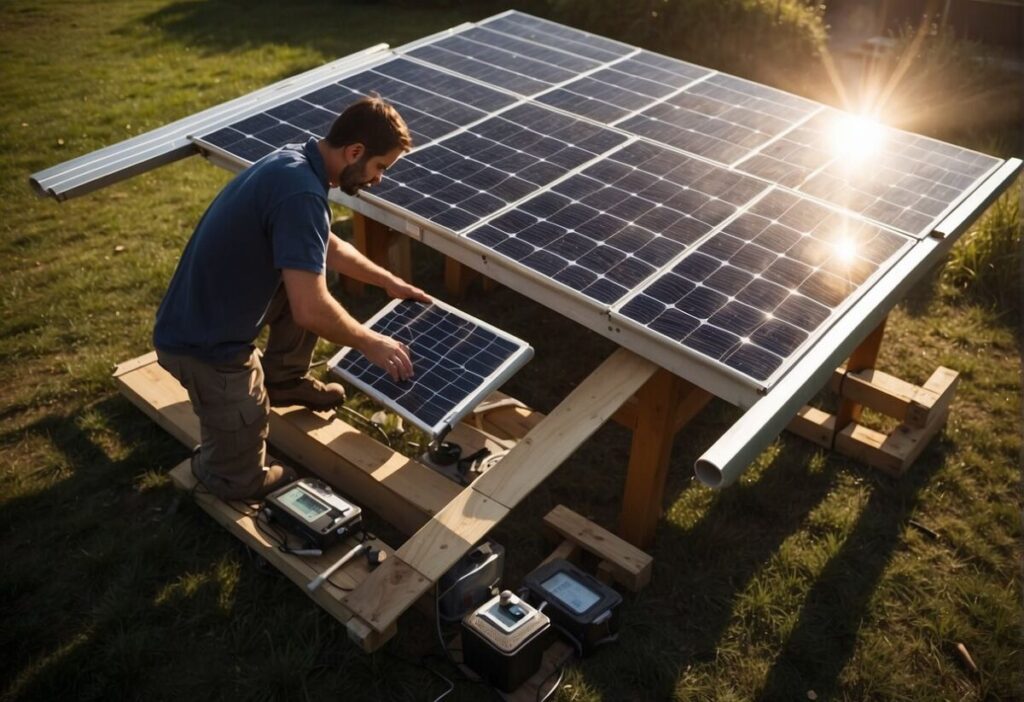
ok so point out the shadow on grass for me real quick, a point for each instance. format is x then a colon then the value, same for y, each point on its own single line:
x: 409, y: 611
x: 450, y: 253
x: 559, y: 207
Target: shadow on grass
x: 825, y: 636
x: 333, y: 29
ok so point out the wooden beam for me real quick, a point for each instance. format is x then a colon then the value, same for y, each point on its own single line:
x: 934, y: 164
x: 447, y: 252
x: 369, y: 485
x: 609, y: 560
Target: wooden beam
x: 403, y: 491
x: 659, y: 402
x: 565, y: 551
x: 578, y: 416
x: 630, y: 566
x: 386, y: 593
x: 864, y: 356
x: 453, y: 532
x: 383, y: 246
x: 815, y: 425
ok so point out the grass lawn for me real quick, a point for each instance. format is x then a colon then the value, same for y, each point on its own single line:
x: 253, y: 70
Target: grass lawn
x: 811, y: 574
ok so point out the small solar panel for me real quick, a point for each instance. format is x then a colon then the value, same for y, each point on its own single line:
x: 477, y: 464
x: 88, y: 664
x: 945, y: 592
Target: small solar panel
x: 753, y: 294
x: 458, y: 360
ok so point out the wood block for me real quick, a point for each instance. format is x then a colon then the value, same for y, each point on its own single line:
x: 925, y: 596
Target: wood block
x: 566, y: 551
x: 942, y: 384
x: 630, y: 566
x: 578, y: 416
x: 386, y: 593
x: 453, y: 531
x: 893, y: 452
x: 814, y: 425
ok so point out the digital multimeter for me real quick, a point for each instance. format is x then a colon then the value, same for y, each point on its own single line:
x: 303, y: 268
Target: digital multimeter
x: 312, y: 510
x: 577, y: 602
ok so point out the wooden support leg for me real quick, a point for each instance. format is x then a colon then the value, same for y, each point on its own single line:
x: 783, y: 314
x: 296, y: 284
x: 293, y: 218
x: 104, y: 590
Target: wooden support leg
x: 383, y: 246
x: 649, y: 456
x: 863, y: 357
x: 458, y: 278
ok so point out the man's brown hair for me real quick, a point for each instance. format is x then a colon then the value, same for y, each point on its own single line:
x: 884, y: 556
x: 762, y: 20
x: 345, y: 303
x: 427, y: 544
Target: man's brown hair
x: 372, y: 122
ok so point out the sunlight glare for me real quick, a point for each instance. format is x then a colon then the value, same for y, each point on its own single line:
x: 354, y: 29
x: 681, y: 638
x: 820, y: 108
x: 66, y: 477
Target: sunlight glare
x: 856, y: 137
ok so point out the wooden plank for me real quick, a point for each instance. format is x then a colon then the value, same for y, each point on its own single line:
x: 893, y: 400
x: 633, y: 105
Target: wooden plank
x: 162, y: 398
x: 386, y: 593
x: 578, y: 416
x: 814, y: 425
x: 864, y: 356
x: 888, y: 394
x: 134, y: 363
x: 300, y: 570
x: 403, y: 491
x: 630, y: 566
x: 453, y: 531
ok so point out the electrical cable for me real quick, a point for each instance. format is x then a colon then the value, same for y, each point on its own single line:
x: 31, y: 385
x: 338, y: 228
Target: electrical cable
x: 366, y: 422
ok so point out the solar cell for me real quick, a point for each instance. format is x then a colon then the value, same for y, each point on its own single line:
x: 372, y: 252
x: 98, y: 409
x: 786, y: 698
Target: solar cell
x: 458, y: 360
x: 755, y: 292
x: 603, y: 231
x: 470, y: 175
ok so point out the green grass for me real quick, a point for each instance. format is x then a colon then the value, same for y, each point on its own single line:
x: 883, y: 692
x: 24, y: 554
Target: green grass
x: 807, y: 575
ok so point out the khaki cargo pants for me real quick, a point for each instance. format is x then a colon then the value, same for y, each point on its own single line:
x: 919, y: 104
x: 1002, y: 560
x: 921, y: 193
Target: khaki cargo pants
x: 230, y: 399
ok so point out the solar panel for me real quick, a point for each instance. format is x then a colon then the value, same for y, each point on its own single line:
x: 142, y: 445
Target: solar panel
x: 447, y: 103
x: 604, y: 230
x: 757, y: 291
x: 547, y: 33
x: 722, y: 118
x: 614, y: 93
x: 458, y: 360
x: 893, y: 177
x: 492, y: 164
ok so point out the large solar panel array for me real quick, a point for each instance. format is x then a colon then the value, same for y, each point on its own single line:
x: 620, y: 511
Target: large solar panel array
x: 728, y: 220
x: 458, y: 360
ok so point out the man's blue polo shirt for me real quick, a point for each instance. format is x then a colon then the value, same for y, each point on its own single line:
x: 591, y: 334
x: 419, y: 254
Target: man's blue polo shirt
x: 273, y: 215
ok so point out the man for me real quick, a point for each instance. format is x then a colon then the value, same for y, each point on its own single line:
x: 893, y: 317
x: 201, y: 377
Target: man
x: 258, y: 257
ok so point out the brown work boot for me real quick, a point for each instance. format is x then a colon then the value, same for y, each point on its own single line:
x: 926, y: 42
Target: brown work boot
x: 274, y: 476
x: 306, y: 392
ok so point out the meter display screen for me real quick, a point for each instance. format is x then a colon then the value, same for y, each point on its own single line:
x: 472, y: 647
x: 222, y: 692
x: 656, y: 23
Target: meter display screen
x: 304, y: 504
x: 574, y: 594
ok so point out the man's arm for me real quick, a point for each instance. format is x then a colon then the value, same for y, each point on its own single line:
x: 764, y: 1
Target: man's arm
x: 345, y: 259
x: 316, y: 310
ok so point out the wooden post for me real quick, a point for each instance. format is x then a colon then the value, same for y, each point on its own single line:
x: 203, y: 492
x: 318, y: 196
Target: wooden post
x: 458, y: 278
x: 862, y: 358
x: 653, y: 432
x: 383, y: 246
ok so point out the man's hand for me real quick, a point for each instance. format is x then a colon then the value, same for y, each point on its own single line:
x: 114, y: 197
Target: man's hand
x: 396, y: 287
x: 390, y: 354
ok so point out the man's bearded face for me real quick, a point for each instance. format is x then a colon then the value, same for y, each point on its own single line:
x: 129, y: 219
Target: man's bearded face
x: 353, y: 177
